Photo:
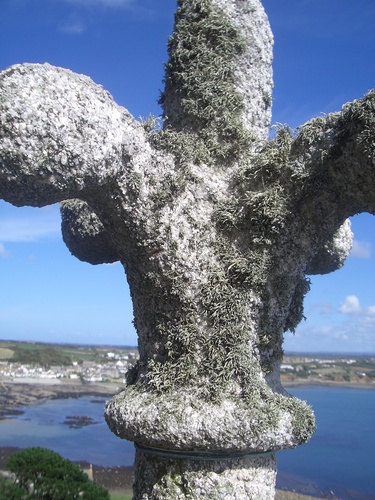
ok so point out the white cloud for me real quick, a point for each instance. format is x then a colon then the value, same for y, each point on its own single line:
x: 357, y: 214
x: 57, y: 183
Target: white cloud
x: 351, y: 305
x: 361, y: 249
x: 3, y: 252
x: 29, y: 225
x: 354, y: 335
x: 358, y: 328
x: 318, y: 338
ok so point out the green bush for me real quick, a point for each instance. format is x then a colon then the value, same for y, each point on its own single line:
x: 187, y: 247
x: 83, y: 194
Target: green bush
x: 44, y: 474
x: 10, y: 490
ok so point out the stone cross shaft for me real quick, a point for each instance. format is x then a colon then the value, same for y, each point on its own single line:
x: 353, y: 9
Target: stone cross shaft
x: 216, y: 227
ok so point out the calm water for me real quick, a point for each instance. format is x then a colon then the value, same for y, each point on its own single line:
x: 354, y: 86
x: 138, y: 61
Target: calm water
x: 340, y: 455
x: 42, y: 425
x: 338, y: 458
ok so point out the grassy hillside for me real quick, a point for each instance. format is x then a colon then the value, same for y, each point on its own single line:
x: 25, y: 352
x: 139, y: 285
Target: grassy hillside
x: 54, y: 354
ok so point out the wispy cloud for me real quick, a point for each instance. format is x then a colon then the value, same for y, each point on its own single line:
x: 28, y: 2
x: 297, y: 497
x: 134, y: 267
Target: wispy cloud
x: 3, y: 252
x: 325, y: 308
x: 29, y: 225
x: 75, y: 25
x: 322, y: 308
x: 355, y: 334
x: 358, y: 326
x: 72, y: 26
x: 351, y: 331
x: 105, y: 3
x: 319, y: 338
x: 361, y: 249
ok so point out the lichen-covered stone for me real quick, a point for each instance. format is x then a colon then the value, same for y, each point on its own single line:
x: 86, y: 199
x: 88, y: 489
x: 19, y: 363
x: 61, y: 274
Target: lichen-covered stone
x: 84, y: 234
x: 333, y: 254
x: 237, y: 479
x: 219, y: 74
x: 76, y: 140
x: 217, y: 229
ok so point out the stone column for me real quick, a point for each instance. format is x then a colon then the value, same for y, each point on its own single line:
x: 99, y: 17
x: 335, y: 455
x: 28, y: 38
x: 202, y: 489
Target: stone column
x: 240, y: 479
x: 216, y: 228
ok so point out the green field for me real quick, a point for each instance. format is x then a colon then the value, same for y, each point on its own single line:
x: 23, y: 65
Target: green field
x: 6, y: 353
x: 120, y: 496
x: 55, y: 354
x: 315, y: 368
x: 344, y: 369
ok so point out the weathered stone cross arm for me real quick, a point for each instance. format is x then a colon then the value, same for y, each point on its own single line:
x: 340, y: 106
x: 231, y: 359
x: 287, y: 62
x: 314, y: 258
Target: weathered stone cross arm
x: 334, y: 157
x: 62, y: 136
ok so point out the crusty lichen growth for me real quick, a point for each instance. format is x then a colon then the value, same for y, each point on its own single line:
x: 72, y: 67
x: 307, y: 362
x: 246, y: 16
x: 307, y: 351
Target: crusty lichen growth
x: 202, y: 109
x: 238, y: 479
x: 215, y: 226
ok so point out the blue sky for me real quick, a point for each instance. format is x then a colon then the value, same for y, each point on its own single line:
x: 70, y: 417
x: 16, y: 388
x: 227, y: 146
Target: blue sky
x: 324, y: 57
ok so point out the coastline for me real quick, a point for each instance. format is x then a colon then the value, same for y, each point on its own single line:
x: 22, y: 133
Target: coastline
x: 326, y: 383
x: 15, y: 395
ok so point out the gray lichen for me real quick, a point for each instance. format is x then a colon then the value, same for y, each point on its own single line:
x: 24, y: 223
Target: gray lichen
x: 201, y: 104
x: 239, y: 479
x: 84, y: 234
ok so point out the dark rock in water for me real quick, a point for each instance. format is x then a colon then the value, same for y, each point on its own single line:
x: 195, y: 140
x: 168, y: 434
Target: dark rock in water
x: 78, y: 421
x: 9, y: 413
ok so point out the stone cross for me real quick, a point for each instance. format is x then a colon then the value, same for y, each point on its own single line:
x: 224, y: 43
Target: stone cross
x: 216, y: 227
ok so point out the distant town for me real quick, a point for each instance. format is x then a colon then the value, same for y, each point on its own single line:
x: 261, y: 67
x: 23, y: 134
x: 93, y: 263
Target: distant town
x: 49, y: 363
x: 348, y: 370
x: 33, y: 362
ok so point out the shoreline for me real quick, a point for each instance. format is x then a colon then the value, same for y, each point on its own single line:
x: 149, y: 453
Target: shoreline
x: 326, y: 383
x: 15, y: 394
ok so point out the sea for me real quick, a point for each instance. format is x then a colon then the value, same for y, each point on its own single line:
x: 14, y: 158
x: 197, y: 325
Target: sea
x: 338, y: 461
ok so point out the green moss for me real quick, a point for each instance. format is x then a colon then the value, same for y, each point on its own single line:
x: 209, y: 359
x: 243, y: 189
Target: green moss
x: 133, y: 180
x: 270, y: 164
x: 253, y: 221
x: 205, y: 127
x: 212, y: 357
x: 187, y: 148
x: 258, y: 209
